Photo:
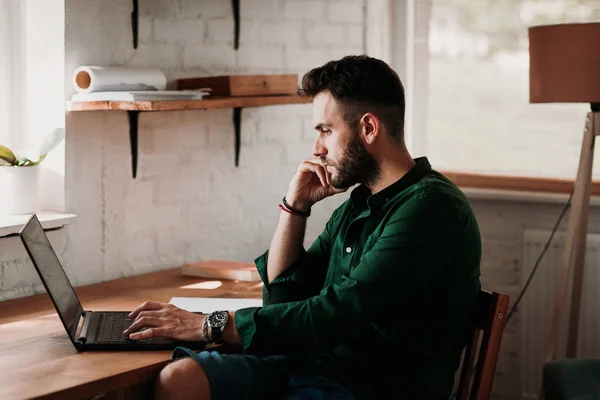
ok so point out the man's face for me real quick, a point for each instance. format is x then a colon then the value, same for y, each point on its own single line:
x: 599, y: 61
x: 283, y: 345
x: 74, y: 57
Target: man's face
x: 339, y: 146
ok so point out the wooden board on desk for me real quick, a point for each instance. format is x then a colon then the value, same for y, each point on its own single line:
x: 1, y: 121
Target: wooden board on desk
x: 38, y: 360
x: 217, y: 269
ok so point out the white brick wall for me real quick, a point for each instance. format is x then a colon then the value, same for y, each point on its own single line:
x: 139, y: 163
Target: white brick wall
x: 271, y: 32
x: 212, y: 57
x: 306, y: 10
x: 349, y: 12
x: 189, y: 201
x: 220, y: 31
x: 181, y: 31
x: 325, y: 33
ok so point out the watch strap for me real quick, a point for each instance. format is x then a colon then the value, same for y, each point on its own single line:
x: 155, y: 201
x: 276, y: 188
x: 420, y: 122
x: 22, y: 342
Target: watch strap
x: 216, y: 335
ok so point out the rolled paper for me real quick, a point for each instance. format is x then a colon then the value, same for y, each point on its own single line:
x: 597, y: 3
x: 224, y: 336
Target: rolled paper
x: 90, y: 79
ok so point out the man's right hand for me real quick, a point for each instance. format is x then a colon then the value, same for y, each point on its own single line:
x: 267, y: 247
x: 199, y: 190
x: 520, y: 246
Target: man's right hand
x: 310, y: 184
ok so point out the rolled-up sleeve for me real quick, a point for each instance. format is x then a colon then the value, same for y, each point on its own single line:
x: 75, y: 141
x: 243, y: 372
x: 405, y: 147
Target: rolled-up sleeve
x: 413, y: 248
x: 305, y: 277
x: 301, y: 280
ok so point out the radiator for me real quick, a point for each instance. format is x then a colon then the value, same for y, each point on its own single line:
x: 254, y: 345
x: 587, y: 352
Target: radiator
x: 535, y: 312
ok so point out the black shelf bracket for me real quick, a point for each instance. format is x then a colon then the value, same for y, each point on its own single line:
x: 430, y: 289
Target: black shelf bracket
x: 135, y: 20
x: 237, y: 126
x: 133, y: 117
x: 235, y: 4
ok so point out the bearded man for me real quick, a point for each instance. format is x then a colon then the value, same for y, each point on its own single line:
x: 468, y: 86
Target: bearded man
x: 380, y: 306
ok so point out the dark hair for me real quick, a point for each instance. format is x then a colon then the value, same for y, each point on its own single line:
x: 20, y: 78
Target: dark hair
x: 361, y: 84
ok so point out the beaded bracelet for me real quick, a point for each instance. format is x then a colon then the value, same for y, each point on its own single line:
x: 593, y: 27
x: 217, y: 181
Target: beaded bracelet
x: 292, y: 210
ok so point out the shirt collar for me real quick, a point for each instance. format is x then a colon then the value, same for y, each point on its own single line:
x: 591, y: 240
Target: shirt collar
x: 362, y: 194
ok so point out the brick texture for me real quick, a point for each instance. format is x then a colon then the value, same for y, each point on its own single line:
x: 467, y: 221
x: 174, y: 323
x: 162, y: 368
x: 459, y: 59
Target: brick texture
x: 189, y: 202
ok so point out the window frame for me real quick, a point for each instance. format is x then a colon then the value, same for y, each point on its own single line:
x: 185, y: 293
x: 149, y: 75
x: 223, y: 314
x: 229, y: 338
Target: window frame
x: 405, y: 48
x: 20, y: 26
x: 14, y: 109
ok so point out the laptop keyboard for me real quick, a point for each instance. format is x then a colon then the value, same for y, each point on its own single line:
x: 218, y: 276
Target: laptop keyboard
x: 112, y: 326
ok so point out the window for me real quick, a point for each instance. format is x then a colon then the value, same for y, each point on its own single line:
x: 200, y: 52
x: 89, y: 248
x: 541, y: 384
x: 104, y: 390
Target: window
x: 478, y: 116
x: 32, y: 84
x: 12, y: 72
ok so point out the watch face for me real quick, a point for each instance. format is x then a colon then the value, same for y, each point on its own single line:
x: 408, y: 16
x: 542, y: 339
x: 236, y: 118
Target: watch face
x: 218, y: 318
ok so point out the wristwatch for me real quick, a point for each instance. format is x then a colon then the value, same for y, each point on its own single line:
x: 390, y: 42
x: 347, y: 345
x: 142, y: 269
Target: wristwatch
x: 216, y: 322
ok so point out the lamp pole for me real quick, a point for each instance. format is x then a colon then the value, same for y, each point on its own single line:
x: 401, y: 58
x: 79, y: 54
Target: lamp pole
x: 574, y: 255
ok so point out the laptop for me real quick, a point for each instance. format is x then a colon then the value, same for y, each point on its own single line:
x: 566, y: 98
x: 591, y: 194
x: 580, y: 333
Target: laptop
x: 88, y: 330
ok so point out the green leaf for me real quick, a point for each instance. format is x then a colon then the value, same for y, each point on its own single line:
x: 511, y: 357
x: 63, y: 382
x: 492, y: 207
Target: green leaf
x: 7, y: 155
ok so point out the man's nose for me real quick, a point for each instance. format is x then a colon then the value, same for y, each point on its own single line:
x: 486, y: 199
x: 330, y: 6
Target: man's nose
x: 319, y: 148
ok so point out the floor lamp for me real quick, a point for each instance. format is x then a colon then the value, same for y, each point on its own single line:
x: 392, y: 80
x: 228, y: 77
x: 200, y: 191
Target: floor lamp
x: 565, y: 68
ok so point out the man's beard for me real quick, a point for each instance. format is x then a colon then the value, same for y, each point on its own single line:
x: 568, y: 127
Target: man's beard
x: 355, y: 166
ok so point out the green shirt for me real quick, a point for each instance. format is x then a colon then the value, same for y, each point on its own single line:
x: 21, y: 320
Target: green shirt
x: 382, y: 300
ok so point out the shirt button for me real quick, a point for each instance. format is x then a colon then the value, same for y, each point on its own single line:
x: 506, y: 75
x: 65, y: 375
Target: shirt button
x: 348, y: 250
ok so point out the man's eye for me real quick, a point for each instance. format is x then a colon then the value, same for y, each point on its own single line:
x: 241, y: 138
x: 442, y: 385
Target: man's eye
x: 327, y: 131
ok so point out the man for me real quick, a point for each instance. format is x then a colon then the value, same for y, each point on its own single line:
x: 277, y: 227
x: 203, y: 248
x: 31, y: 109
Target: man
x: 379, y: 307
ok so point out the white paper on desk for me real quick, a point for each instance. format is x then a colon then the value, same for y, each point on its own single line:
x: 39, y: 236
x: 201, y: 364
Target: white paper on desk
x: 210, y: 304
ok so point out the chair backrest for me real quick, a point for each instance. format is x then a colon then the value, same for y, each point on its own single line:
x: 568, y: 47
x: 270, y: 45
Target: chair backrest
x: 481, y: 354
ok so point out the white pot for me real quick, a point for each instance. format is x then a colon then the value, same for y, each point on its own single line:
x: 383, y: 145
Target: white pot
x: 19, y: 187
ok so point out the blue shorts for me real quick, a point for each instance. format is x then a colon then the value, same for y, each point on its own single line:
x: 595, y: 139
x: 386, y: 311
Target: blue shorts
x: 244, y: 376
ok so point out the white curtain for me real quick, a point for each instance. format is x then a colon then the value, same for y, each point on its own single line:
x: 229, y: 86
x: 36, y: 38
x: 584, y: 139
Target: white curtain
x: 13, y: 72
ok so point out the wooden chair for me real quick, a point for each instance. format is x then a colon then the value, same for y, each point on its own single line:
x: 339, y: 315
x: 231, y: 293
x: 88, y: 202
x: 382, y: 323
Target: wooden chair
x: 479, y: 362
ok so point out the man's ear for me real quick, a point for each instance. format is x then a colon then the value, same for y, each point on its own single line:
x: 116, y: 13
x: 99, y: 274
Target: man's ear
x: 370, y: 127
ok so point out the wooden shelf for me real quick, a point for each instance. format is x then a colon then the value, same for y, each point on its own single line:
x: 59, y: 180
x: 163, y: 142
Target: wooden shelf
x: 174, y: 105
x: 134, y: 108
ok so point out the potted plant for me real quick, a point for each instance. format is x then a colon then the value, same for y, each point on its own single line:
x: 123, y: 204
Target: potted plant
x: 19, y: 173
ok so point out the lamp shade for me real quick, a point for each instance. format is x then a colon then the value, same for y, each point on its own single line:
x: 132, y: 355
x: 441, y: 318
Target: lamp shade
x: 564, y: 63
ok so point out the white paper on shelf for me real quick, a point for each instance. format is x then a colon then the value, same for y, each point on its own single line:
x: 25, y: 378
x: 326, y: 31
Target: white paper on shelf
x: 89, y: 79
x: 210, y: 304
x: 141, y: 95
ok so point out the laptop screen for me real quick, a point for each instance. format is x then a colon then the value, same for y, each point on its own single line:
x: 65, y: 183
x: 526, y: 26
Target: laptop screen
x: 52, y: 274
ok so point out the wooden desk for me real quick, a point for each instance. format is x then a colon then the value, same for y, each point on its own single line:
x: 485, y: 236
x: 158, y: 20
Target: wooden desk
x: 37, y: 359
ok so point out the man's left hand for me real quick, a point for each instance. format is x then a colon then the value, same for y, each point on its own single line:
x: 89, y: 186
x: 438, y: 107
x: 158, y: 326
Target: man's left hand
x: 165, y: 320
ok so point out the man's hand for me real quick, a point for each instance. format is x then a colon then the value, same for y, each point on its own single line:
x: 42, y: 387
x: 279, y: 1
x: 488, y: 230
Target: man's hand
x: 312, y: 183
x: 166, y: 320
